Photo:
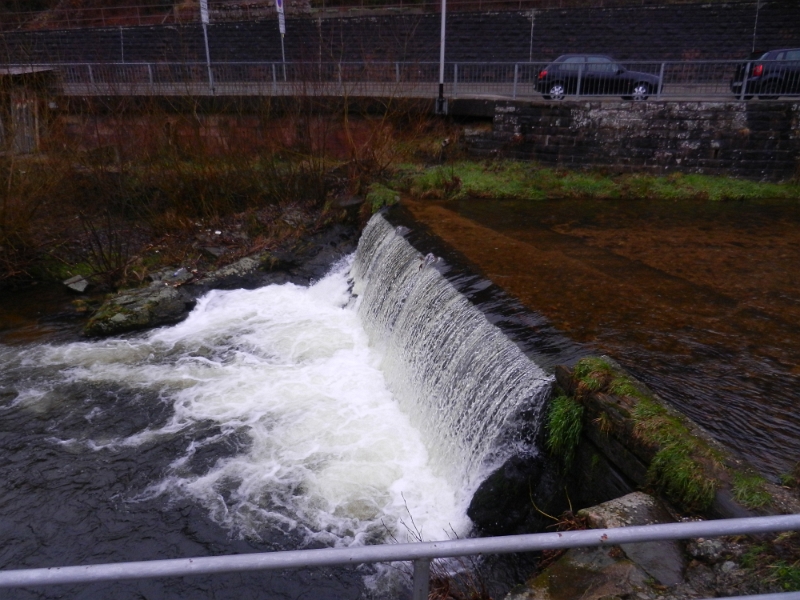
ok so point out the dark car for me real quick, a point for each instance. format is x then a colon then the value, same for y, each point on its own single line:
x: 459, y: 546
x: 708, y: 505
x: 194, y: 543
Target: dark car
x: 593, y: 74
x: 770, y: 75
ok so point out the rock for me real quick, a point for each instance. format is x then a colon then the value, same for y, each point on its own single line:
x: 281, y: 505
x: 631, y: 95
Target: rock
x: 662, y: 560
x: 172, y: 293
x: 710, y: 551
x: 589, y: 574
x: 157, y: 304
x: 77, y: 284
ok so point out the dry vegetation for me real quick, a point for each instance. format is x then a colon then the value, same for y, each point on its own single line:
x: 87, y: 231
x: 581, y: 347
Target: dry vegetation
x: 120, y: 189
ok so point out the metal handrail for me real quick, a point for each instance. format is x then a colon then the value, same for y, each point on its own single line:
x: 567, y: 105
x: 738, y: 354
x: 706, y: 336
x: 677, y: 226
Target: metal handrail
x: 676, y: 80
x: 419, y: 553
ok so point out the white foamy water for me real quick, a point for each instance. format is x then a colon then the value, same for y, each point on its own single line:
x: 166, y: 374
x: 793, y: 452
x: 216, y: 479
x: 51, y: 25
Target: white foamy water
x: 464, y: 383
x: 287, y: 374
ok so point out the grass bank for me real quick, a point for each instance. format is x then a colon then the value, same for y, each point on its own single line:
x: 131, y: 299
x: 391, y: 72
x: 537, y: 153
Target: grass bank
x: 509, y: 180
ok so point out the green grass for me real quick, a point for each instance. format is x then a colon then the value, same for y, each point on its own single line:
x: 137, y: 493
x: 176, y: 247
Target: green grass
x: 749, y: 490
x: 379, y: 196
x: 592, y: 373
x: 564, y: 425
x: 510, y: 180
x: 677, y: 473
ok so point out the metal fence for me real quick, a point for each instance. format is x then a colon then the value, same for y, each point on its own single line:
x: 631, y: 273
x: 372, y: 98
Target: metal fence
x: 420, y: 554
x: 641, y: 80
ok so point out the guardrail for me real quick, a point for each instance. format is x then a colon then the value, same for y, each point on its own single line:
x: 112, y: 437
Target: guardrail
x: 420, y: 554
x: 641, y: 80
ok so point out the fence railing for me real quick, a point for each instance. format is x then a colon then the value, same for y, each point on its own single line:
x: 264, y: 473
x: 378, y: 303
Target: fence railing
x: 641, y: 80
x: 420, y: 554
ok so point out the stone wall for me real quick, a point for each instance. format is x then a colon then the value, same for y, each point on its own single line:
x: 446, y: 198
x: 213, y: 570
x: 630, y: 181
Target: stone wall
x: 722, y: 30
x: 758, y: 140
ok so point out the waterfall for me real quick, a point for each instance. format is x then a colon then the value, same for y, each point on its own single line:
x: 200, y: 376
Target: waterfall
x: 366, y: 407
x: 461, y: 380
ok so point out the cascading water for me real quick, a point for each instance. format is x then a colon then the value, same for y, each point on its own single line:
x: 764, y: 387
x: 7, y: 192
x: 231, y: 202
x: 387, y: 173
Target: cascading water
x: 461, y: 380
x: 275, y: 418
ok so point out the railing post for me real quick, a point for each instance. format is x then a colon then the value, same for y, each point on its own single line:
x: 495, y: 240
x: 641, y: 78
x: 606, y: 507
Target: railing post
x: 661, y: 81
x: 274, y: 81
x: 455, y: 79
x: 422, y: 575
x: 578, y: 86
x: 91, y: 75
x: 745, y: 75
x: 150, y: 72
x: 516, y: 79
x: 397, y: 72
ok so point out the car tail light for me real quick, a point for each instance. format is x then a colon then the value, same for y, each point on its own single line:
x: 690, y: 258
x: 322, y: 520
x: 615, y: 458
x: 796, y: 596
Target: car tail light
x: 543, y: 74
x: 758, y: 70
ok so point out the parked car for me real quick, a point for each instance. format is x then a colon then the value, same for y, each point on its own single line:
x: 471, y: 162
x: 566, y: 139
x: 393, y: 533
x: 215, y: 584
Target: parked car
x: 593, y: 74
x: 772, y: 74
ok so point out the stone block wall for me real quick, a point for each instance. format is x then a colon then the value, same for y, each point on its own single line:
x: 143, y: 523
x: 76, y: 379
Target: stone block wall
x: 720, y: 30
x: 758, y: 140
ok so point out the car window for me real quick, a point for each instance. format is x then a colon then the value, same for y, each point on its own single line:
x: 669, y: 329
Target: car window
x: 793, y: 55
x: 572, y: 63
x: 600, y: 64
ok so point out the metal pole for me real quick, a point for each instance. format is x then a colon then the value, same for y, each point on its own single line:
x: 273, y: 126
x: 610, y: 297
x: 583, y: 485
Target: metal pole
x: 744, y: 80
x: 121, y: 46
x: 421, y: 583
x: 395, y: 552
x: 661, y: 81
x: 516, y: 79
x: 755, y: 24
x: 441, y: 106
x: 283, y: 56
x: 208, y: 59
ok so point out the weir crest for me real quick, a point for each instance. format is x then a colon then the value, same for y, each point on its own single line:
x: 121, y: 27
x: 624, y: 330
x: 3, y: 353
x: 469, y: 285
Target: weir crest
x: 462, y: 381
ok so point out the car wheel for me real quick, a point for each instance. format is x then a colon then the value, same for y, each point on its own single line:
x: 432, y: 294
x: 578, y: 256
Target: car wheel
x: 771, y: 93
x: 640, y: 92
x: 557, y: 91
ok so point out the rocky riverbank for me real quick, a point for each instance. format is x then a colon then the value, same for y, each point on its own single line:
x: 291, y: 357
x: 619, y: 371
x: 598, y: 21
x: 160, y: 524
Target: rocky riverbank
x: 173, y: 290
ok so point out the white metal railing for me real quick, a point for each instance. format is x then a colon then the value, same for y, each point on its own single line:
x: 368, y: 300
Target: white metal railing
x: 655, y: 80
x: 419, y: 553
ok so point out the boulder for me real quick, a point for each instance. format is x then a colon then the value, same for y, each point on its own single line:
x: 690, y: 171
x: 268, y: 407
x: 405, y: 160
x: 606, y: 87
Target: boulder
x: 157, y: 304
x: 588, y: 574
x: 661, y: 560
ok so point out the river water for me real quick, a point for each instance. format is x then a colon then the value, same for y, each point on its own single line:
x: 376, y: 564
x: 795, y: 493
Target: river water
x: 700, y: 300
x: 365, y: 408
x: 261, y: 422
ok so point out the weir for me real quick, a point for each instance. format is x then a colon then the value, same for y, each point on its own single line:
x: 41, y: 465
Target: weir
x: 463, y: 382
x: 372, y: 405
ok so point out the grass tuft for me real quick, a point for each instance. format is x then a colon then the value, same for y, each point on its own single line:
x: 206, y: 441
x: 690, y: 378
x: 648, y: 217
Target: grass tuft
x: 749, y: 490
x: 564, y: 425
x: 681, y: 477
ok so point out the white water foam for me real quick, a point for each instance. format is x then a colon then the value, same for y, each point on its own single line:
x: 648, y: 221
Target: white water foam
x: 328, y: 453
x: 461, y: 380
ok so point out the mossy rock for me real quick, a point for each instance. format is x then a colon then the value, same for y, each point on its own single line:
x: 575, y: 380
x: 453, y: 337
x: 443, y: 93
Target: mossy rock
x: 157, y: 304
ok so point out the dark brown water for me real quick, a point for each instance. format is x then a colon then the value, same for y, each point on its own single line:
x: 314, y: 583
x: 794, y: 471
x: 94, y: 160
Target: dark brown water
x: 700, y: 300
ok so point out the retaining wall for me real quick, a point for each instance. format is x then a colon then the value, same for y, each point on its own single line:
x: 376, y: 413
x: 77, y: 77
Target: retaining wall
x: 673, y: 32
x: 757, y: 140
